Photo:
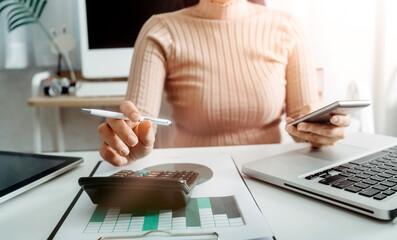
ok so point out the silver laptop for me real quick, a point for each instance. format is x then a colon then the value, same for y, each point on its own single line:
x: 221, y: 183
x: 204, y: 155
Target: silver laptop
x: 358, y: 173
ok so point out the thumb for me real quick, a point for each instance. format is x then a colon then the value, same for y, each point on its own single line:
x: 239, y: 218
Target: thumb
x: 307, y: 109
x: 310, y: 108
x: 145, y: 133
x: 289, y: 119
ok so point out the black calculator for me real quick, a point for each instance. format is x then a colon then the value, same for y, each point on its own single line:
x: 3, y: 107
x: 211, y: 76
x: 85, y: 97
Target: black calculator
x: 141, y: 189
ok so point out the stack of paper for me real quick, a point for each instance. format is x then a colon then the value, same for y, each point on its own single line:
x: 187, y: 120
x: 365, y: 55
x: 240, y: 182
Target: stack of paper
x: 221, y: 205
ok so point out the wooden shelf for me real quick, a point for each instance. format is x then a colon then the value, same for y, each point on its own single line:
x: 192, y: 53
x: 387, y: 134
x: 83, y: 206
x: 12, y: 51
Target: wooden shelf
x: 72, y: 101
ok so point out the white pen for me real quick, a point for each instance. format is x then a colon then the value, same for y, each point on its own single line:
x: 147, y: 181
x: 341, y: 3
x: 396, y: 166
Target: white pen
x: 117, y: 115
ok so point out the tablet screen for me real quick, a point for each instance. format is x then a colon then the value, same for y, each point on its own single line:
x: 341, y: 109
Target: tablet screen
x: 20, y: 169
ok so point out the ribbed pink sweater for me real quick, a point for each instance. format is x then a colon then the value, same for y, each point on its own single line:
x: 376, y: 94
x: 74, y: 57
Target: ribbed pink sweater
x: 229, y: 72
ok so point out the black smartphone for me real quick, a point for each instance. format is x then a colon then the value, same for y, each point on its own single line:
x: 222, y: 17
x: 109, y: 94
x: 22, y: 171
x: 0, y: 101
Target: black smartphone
x: 343, y: 107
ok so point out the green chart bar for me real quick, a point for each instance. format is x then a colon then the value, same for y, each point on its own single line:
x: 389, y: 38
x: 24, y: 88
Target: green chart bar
x: 151, y: 220
x: 204, y: 202
x: 217, y: 206
x: 99, y: 214
x: 199, y: 213
x: 231, y: 208
x: 180, y: 212
x: 192, y: 214
x: 135, y: 213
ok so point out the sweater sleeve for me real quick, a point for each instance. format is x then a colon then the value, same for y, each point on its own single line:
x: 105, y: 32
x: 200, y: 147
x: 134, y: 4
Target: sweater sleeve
x: 301, y: 86
x: 149, y: 67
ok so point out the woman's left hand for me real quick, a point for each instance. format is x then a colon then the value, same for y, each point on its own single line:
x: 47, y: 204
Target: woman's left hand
x: 319, y: 134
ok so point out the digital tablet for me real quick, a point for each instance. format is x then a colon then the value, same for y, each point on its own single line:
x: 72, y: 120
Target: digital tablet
x: 20, y: 172
x: 343, y: 107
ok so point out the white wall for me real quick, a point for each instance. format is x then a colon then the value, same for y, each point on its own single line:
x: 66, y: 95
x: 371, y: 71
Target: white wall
x: 342, y: 36
x: 354, y: 40
x: 387, y: 76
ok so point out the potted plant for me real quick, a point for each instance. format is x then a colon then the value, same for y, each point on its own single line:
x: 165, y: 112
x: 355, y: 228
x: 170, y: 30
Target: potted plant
x: 19, y: 13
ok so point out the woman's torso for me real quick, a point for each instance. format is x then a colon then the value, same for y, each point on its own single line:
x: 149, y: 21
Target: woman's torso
x: 226, y: 77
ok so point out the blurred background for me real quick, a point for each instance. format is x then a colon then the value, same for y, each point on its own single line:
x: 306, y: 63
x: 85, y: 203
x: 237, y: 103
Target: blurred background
x: 353, y: 45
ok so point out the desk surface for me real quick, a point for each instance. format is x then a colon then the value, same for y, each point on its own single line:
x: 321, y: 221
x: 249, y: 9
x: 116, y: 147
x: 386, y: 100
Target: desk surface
x: 72, y: 101
x: 34, y: 214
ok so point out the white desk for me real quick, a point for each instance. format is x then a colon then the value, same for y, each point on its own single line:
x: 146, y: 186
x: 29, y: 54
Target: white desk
x: 34, y: 214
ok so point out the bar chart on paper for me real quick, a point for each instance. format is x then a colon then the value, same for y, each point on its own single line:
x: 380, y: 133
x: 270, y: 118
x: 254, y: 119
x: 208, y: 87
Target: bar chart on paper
x: 199, y: 213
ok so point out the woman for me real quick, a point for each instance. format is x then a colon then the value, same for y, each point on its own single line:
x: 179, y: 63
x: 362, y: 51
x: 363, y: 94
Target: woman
x: 230, y: 69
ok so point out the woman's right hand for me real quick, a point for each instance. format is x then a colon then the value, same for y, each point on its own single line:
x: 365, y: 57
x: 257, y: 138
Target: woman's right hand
x: 126, y: 140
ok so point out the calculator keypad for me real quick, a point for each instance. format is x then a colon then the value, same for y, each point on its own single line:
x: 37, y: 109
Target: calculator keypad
x: 186, y: 176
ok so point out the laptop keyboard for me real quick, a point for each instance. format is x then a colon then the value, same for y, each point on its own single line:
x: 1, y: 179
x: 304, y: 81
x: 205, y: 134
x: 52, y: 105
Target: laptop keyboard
x: 373, y: 176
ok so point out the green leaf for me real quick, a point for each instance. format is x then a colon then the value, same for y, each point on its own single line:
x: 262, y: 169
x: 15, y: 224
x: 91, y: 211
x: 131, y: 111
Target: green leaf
x: 16, y: 18
x: 17, y: 10
x: 21, y: 24
x: 35, y: 6
x: 22, y: 12
x: 41, y: 9
x: 8, y: 5
x: 5, y: 0
x: 13, y: 10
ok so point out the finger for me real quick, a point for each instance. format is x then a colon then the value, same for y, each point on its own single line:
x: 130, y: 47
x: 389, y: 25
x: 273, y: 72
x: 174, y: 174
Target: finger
x: 289, y: 119
x: 310, y: 137
x: 129, y: 110
x: 123, y: 131
x: 341, y: 120
x: 146, y: 137
x: 111, y: 139
x: 296, y: 139
x: 110, y: 155
x: 323, y: 129
x: 307, y: 109
x: 316, y: 145
x: 145, y: 133
x: 310, y: 108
